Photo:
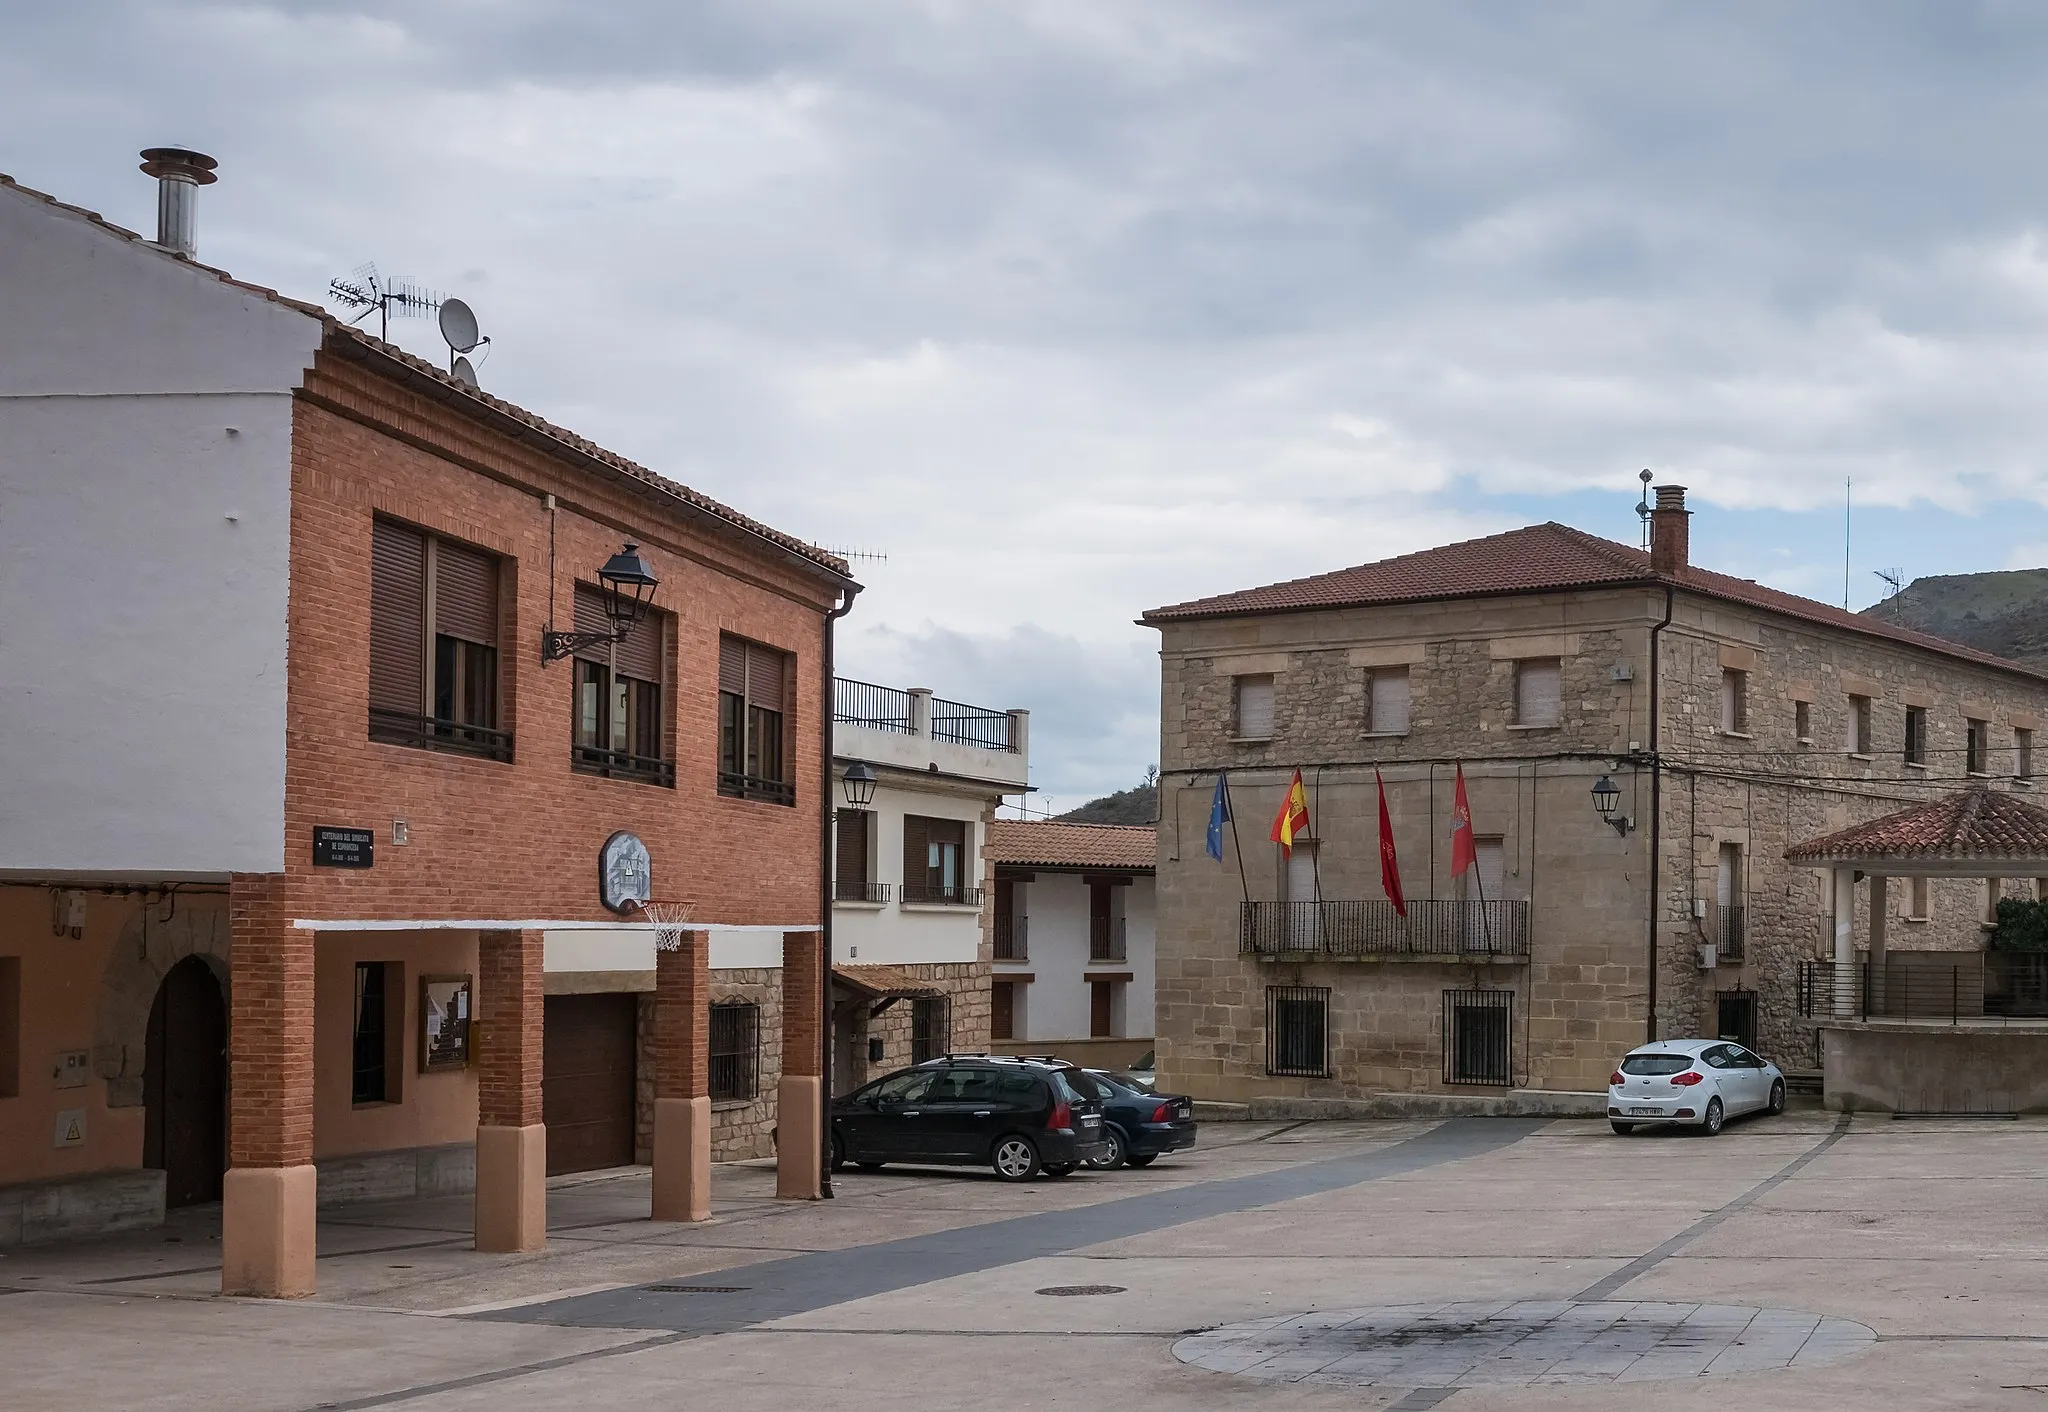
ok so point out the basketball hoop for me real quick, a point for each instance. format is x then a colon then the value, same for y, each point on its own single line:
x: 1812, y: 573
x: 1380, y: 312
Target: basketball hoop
x: 670, y: 919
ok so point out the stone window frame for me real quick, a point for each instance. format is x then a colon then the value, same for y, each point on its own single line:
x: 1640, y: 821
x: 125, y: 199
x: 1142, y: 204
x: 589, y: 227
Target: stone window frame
x: 1919, y: 898
x: 2023, y: 756
x: 1856, y: 733
x: 1734, y: 703
x: 1802, y: 722
x: 1522, y: 665
x: 1914, y: 748
x: 1372, y: 723
x: 1237, y: 688
x: 1977, y: 747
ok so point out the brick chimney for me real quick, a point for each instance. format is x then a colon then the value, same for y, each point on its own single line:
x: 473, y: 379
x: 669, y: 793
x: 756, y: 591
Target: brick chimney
x: 1670, y: 536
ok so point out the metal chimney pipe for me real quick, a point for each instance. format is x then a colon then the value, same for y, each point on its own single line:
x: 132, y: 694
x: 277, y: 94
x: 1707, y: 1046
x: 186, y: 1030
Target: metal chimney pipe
x: 179, y: 174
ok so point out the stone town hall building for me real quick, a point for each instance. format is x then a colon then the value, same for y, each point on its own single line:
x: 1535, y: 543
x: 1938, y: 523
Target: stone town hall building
x: 1729, y: 720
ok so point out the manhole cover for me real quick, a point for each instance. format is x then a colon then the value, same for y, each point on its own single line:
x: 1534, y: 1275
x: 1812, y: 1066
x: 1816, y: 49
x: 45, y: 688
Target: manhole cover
x: 1519, y: 1342
x: 1082, y: 1289
x: 697, y: 1289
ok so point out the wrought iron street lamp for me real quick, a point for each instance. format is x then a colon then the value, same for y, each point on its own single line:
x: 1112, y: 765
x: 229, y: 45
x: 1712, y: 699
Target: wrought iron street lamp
x: 629, y: 586
x: 859, y: 784
x: 1606, y: 799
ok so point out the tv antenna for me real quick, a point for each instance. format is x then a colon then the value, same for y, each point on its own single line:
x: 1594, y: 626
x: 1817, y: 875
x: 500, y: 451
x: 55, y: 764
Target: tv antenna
x: 1895, y: 581
x: 854, y: 556
x: 1643, y: 507
x: 459, y: 332
x: 366, y: 290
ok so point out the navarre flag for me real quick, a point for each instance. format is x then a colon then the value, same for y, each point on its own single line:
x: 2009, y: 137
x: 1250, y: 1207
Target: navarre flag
x: 1292, y: 820
x: 1464, y: 852
x: 1219, y: 815
x: 1390, y: 865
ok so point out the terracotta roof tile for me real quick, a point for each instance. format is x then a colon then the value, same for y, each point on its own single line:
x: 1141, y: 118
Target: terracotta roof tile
x: 1542, y: 558
x: 884, y: 980
x: 348, y: 336
x: 1974, y: 823
x: 1052, y: 844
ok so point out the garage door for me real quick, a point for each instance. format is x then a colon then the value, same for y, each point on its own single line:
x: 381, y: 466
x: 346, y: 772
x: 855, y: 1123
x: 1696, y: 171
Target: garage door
x: 587, y: 1081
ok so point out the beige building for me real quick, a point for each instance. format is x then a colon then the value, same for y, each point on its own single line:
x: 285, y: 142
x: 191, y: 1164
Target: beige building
x: 1728, y: 721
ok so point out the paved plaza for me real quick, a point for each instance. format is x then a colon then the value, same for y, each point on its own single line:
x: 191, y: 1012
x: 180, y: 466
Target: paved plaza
x: 1806, y: 1262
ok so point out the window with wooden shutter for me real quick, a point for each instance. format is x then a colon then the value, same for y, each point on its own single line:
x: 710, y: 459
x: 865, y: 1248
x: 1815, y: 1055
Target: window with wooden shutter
x: 935, y: 863
x: 433, y: 643
x: 1254, y: 708
x: 851, y: 882
x: 1102, y: 1009
x: 754, y: 741
x: 1389, y: 708
x: 1538, y: 692
x: 621, y: 729
x: 1002, y: 1020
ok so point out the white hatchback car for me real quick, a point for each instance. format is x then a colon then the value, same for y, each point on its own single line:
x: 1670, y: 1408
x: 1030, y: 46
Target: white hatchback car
x: 1700, y: 1082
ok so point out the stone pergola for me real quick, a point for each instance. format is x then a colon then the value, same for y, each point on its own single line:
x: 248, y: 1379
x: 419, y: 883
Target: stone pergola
x: 1974, y: 833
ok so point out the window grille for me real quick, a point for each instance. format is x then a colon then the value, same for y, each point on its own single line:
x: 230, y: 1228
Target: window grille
x: 1478, y: 1037
x: 735, y: 1052
x: 1298, y: 1031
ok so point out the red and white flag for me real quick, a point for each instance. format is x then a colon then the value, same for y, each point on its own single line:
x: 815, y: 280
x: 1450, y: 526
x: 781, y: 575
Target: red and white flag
x: 1390, y: 865
x: 1464, y: 852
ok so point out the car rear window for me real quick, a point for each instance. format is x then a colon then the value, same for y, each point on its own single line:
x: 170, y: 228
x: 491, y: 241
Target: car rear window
x: 1656, y: 1063
x: 1092, y: 1084
x: 1061, y: 1082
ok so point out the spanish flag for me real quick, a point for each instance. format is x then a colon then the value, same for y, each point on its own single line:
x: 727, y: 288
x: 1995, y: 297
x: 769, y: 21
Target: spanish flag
x: 1292, y: 821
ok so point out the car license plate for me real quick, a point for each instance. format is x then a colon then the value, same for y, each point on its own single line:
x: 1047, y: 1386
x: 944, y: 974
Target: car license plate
x: 1646, y: 1112
x: 1181, y: 1110
x: 1091, y: 1122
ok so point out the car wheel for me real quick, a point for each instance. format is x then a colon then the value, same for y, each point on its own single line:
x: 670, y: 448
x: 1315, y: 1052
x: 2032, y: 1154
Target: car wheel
x: 1134, y: 1160
x: 869, y: 1166
x: 1777, y: 1096
x: 1622, y: 1128
x: 1118, y: 1151
x: 1711, y: 1124
x: 1015, y: 1159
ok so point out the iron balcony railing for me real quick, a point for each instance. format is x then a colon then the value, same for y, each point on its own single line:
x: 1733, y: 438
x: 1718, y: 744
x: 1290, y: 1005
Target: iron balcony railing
x: 1105, y: 938
x: 1432, y: 927
x: 738, y: 786
x: 860, y: 703
x: 1728, y: 929
x: 935, y: 894
x: 1013, y: 938
x: 1930, y: 986
x: 972, y: 725
x: 618, y: 764
x: 432, y: 733
x: 854, y: 890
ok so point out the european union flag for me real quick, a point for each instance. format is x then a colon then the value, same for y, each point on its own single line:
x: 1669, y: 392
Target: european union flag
x: 1219, y: 815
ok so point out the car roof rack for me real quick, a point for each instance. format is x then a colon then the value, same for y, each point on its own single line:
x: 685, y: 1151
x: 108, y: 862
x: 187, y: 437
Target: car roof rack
x: 985, y: 1058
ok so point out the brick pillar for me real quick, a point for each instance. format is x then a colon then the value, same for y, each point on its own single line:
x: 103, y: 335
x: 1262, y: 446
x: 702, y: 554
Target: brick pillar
x: 267, y: 1197
x: 511, y: 1142
x: 800, y: 1097
x: 682, y: 1080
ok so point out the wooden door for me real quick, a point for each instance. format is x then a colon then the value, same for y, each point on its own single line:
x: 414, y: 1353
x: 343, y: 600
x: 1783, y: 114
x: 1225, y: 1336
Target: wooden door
x: 185, y: 1085
x: 587, y: 1079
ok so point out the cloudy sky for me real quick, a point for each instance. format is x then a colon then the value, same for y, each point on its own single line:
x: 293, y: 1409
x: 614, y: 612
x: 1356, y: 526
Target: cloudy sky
x: 1074, y: 308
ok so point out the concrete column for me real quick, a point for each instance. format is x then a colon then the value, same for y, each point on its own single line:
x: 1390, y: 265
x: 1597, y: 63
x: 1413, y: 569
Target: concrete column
x: 800, y: 1097
x: 511, y: 1142
x: 267, y: 1197
x: 682, y: 1080
x: 1880, y: 915
x: 920, y: 710
x: 1845, y: 942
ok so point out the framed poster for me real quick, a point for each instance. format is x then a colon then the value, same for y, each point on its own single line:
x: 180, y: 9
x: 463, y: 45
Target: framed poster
x: 444, y: 1023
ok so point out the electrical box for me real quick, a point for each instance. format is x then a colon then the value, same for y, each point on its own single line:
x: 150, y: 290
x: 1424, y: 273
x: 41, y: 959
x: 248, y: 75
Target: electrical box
x: 1699, y: 907
x: 71, y: 1069
x: 1709, y: 957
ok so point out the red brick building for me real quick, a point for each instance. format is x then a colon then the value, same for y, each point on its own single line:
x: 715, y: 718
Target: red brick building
x: 344, y: 611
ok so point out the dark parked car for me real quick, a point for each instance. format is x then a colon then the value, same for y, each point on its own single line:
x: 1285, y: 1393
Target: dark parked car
x: 1138, y: 1124
x: 1018, y: 1117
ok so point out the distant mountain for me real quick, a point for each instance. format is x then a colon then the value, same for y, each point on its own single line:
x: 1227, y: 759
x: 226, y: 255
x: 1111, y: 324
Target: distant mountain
x: 1127, y: 806
x: 2005, y: 613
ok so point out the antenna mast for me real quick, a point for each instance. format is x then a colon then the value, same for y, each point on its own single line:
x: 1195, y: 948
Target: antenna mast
x: 365, y: 290
x: 1643, y: 507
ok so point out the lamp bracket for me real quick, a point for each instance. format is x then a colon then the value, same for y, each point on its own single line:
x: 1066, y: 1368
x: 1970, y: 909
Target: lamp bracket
x: 554, y: 646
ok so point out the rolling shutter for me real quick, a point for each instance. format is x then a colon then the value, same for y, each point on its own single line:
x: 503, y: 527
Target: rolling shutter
x: 465, y: 593
x: 1254, y: 708
x: 398, y: 614
x: 851, y: 859
x: 917, y: 842
x: 1389, y: 700
x: 588, y: 612
x: 1537, y: 692
x: 640, y: 655
x: 732, y: 664
x: 765, y: 671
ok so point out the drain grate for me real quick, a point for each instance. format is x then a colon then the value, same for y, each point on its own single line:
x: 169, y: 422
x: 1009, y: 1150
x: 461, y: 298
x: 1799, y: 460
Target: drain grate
x: 1062, y: 1290
x: 696, y: 1289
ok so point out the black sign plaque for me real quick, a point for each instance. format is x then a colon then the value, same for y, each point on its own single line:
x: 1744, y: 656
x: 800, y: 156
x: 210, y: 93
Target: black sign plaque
x: 342, y: 848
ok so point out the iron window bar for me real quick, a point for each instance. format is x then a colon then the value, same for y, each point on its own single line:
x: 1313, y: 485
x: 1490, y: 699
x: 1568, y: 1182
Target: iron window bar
x: 1479, y: 1037
x: 852, y: 890
x: 1298, y: 1031
x: 1013, y: 937
x: 621, y: 764
x: 1105, y: 938
x: 938, y: 895
x: 972, y: 725
x: 735, y: 1052
x: 860, y: 703
x: 739, y: 786
x: 1433, y: 927
x: 435, y: 733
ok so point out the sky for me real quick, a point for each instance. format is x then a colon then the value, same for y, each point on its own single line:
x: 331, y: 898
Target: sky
x: 1073, y: 309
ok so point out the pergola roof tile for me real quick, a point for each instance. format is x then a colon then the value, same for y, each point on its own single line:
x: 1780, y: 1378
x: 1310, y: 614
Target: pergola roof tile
x: 1971, y: 824
x: 1057, y: 844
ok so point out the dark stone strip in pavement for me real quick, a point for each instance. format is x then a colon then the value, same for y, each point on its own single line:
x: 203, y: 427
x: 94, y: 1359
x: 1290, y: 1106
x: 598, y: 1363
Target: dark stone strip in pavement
x: 1643, y: 1264
x: 496, y: 1375
x: 1422, y: 1399
x: 778, y: 1289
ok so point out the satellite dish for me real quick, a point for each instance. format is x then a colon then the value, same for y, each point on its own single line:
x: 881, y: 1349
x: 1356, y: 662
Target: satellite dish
x: 458, y: 326
x: 464, y: 372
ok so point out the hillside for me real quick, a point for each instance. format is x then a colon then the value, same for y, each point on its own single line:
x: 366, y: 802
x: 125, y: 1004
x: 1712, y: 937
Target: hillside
x: 1139, y: 805
x: 2004, y: 612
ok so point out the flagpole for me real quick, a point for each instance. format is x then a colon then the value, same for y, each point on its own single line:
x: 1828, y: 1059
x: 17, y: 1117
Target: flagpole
x: 1236, y: 843
x: 1479, y: 882
x: 1315, y: 855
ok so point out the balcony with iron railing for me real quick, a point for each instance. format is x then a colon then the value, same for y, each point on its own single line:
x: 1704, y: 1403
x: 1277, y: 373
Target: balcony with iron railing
x: 912, y: 729
x: 1012, y: 941
x: 859, y: 890
x: 433, y: 733
x: 1727, y: 927
x: 940, y: 895
x: 1105, y: 938
x: 1449, y: 928
x: 1929, y: 987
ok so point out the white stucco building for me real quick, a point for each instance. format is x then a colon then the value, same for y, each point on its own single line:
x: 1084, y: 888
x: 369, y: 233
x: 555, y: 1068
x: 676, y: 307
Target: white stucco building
x: 1073, y: 928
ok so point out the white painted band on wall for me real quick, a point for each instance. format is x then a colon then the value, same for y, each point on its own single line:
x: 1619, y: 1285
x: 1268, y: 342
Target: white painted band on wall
x: 305, y: 924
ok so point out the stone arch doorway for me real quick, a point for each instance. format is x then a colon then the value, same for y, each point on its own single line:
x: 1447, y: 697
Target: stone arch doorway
x: 185, y: 1084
